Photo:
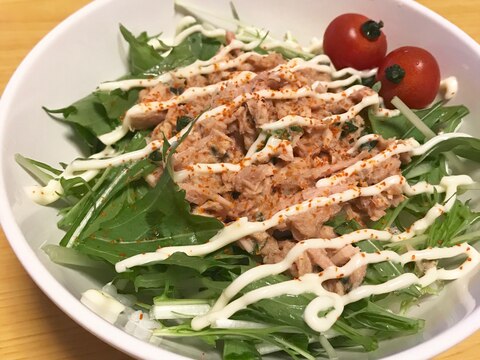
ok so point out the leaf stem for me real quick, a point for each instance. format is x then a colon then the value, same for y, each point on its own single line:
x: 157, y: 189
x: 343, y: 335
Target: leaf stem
x: 425, y: 130
x: 466, y: 237
x: 332, y: 354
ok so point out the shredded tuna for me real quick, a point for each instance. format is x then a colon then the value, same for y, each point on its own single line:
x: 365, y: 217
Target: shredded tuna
x: 284, y: 179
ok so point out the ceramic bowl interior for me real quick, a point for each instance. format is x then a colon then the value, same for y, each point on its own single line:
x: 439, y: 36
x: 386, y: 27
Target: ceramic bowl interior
x: 87, y: 49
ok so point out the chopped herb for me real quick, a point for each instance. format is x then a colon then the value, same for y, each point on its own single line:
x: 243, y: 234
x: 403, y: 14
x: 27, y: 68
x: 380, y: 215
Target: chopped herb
x: 156, y: 156
x: 369, y: 81
x: 259, y: 216
x: 282, y: 235
x: 296, y: 128
x: 348, y: 128
x: 369, y: 145
x: 214, y: 151
x: 176, y: 91
x: 182, y: 122
x: 224, y: 157
x: 281, y: 134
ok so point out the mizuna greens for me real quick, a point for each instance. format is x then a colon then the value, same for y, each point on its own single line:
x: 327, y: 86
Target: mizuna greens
x: 116, y: 215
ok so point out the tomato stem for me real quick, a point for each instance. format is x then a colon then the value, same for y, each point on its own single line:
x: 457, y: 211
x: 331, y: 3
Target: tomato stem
x: 394, y: 73
x: 371, y: 29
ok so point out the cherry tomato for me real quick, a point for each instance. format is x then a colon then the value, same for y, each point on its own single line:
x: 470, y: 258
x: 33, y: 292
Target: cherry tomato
x: 353, y: 40
x: 412, y: 74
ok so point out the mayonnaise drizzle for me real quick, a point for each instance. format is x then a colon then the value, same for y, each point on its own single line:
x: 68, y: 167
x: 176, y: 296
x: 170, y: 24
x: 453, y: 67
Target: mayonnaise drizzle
x: 449, y: 87
x: 250, y: 33
x: 397, y: 147
x: 257, y: 144
x: 322, y: 63
x: 449, y: 184
x: 274, y: 146
x: 79, y: 165
x: 156, y: 43
x: 51, y: 192
x: 292, y: 120
x: 312, y: 283
x: 216, y: 64
x: 151, y: 108
x: 190, y: 94
x: 45, y: 195
x: 363, y: 140
x: 243, y: 227
x: 272, y: 149
x: 155, y: 107
x: 198, y: 67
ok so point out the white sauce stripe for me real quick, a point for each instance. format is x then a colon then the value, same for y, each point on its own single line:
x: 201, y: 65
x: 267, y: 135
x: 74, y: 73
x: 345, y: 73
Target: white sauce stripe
x: 449, y: 87
x: 154, y: 107
x: 273, y: 147
x: 243, y: 227
x: 45, y: 195
x: 196, y: 68
x: 216, y: 64
x: 363, y: 140
x: 435, y: 141
x: 151, y: 108
x: 282, y: 95
x: 82, y: 165
x: 339, y: 83
x: 112, y: 137
x: 395, y: 148
x: 312, y: 283
x: 448, y: 184
x: 291, y: 120
x: 262, y: 271
x: 157, y: 43
x: 257, y: 144
x: 410, y: 146
x: 219, y: 66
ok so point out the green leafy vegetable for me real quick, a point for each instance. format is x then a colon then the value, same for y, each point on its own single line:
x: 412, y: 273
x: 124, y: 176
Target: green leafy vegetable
x: 37, y: 169
x: 239, y: 350
x: 369, y: 145
x: 145, y: 60
x: 437, y: 118
x: 466, y: 147
x: 141, y: 56
x: 347, y: 128
x: 182, y: 122
x: 117, y: 102
x: 451, y: 225
x: 88, y: 118
x: 160, y: 217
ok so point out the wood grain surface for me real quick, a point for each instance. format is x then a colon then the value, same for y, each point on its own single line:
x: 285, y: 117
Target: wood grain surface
x: 31, y: 326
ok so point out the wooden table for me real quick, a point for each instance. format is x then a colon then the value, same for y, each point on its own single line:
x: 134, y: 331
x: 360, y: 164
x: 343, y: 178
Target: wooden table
x: 31, y: 326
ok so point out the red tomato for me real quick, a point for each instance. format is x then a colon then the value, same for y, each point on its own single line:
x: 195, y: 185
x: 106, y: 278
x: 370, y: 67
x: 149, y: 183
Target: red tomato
x: 353, y: 40
x: 412, y: 74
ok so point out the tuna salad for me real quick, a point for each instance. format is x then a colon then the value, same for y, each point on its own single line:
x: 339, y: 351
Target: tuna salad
x: 248, y: 196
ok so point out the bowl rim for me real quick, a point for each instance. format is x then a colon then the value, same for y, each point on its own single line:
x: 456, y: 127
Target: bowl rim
x: 96, y: 325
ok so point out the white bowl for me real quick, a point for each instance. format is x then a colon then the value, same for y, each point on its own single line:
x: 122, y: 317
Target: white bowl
x: 86, y: 49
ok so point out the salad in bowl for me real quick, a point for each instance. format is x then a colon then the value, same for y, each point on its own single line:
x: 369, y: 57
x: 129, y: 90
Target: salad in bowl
x: 251, y: 196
